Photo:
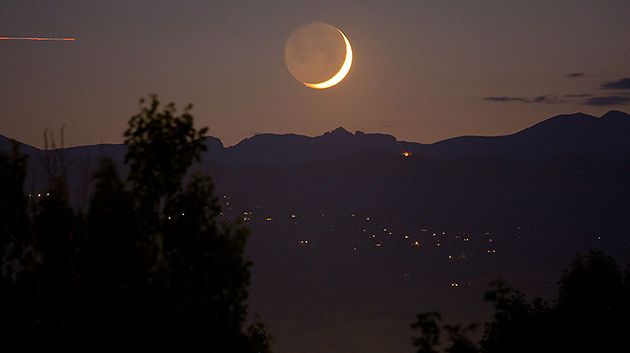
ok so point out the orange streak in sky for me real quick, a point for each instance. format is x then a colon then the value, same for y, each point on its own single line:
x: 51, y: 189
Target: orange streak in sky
x: 42, y: 39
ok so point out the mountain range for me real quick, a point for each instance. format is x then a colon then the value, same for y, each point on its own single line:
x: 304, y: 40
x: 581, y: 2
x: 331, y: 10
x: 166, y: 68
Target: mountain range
x: 605, y: 137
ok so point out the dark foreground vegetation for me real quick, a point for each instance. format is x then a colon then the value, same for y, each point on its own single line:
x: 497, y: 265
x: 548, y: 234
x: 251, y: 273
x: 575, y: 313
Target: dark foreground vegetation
x: 591, y: 313
x: 147, y: 267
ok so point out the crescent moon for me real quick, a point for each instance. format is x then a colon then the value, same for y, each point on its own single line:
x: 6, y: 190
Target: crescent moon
x: 341, y: 74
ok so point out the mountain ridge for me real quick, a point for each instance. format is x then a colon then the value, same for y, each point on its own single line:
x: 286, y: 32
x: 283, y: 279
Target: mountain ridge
x: 605, y: 137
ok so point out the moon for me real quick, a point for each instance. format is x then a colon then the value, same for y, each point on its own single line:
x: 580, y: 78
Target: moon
x: 341, y: 74
x: 318, y: 55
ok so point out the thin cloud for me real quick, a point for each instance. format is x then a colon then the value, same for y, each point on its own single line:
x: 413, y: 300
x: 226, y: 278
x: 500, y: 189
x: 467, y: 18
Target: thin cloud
x: 607, y: 100
x: 623, y: 83
x: 579, y: 95
x: 621, y: 97
x: 547, y: 99
x: 501, y: 99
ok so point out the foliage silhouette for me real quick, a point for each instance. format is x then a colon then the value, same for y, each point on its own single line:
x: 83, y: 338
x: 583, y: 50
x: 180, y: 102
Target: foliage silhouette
x: 429, y: 326
x: 161, y: 148
x: 149, y: 267
x: 591, y: 305
x: 261, y: 339
x: 16, y: 255
x: 111, y: 270
x: 13, y: 217
x: 590, y: 314
x: 460, y: 343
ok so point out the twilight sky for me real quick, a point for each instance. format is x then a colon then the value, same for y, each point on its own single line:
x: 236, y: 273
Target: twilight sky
x: 423, y: 70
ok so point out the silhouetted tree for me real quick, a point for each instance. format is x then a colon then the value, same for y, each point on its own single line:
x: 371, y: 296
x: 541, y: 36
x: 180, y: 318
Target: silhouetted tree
x: 198, y: 276
x: 39, y: 280
x: 517, y: 326
x: 16, y: 252
x: 161, y: 147
x: 431, y: 327
x: 56, y: 230
x: 590, y: 307
x: 150, y: 267
x: 459, y: 341
x: 590, y: 314
x: 112, y: 275
x: 260, y: 338
x: 13, y: 214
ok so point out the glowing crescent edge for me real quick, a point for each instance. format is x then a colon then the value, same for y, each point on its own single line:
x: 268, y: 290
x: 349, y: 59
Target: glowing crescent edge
x: 341, y: 74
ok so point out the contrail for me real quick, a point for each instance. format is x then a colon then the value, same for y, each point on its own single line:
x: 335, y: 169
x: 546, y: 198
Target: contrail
x: 41, y: 39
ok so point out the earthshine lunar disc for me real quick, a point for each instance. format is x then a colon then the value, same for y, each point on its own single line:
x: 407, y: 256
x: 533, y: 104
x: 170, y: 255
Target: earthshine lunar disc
x: 318, y: 55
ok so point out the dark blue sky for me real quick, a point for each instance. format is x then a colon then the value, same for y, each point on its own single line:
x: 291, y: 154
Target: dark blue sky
x: 423, y: 70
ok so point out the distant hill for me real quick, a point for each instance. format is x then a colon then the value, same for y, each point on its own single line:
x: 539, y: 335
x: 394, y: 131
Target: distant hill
x: 291, y: 149
x: 607, y: 137
x: 6, y: 145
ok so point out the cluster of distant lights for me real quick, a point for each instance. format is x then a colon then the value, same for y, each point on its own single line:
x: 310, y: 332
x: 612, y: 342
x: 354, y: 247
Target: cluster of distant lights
x: 486, y: 237
x: 249, y: 216
x: 305, y: 242
x: 38, y: 195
